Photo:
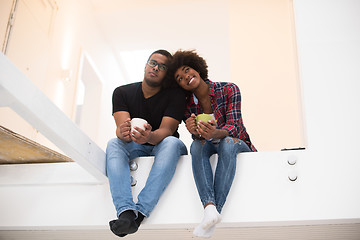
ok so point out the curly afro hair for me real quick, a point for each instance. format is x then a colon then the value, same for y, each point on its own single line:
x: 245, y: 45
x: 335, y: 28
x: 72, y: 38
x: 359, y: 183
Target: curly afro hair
x: 188, y: 58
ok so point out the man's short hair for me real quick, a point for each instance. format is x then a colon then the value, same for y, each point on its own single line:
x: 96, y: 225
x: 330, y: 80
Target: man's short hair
x: 162, y: 52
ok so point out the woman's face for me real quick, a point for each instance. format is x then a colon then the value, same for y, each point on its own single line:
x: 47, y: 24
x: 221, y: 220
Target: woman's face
x: 187, y: 78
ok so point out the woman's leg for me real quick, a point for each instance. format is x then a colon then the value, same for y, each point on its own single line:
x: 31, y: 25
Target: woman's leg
x: 227, y: 149
x: 201, y: 152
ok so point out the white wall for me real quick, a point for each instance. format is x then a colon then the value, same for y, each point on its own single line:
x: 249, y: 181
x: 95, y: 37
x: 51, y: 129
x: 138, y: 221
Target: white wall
x: 263, y: 55
x: 329, y: 45
x: 250, y: 43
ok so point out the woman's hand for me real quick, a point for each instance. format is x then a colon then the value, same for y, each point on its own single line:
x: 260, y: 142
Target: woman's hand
x: 190, y: 124
x: 206, y: 129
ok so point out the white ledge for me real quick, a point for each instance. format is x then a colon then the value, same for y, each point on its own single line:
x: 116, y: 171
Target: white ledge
x: 40, y: 174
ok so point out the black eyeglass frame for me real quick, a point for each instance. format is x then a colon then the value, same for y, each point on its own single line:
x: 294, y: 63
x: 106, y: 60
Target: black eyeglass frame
x: 153, y: 63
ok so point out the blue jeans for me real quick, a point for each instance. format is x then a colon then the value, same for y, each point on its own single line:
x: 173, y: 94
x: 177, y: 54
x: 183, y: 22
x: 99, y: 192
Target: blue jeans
x: 215, y: 190
x: 118, y: 156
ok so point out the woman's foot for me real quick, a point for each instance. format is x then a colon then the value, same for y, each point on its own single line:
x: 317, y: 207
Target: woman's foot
x: 207, y: 227
x: 200, y: 232
x: 211, y: 217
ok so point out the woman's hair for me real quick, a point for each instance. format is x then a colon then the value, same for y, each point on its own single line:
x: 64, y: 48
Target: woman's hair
x: 187, y: 58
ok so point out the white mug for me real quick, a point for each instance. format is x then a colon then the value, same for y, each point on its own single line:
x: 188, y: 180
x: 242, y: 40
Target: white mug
x: 138, y: 122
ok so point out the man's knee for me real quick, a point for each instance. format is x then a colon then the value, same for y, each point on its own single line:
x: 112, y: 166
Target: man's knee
x: 111, y: 144
x: 172, y: 142
x: 112, y: 141
x: 115, y: 147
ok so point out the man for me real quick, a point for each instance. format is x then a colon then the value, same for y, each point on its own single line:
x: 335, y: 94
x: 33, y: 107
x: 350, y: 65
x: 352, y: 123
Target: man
x: 163, y: 109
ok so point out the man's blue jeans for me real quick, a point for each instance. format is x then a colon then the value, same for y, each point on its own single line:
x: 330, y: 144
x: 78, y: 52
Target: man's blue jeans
x: 215, y: 190
x: 118, y: 156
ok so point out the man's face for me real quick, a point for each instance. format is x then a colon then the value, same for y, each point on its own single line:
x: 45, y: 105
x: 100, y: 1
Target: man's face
x: 154, y: 70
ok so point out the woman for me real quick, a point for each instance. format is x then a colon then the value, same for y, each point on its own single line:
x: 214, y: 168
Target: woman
x: 225, y: 135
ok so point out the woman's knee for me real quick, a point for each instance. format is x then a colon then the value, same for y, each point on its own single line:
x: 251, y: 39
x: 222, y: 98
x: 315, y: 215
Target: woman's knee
x: 231, y: 145
x: 201, y: 147
x: 196, y: 147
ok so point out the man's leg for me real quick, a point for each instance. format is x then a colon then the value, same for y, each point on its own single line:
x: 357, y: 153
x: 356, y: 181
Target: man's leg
x: 118, y: 155
x: 167, y: 154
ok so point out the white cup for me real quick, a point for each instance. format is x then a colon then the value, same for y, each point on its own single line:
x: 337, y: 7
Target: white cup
x: 138, y: 122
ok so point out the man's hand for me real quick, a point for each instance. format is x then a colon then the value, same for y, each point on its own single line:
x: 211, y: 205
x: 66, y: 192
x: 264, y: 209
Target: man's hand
x: 206, y: 129
x: 124, y: 130
x: 141, y: 136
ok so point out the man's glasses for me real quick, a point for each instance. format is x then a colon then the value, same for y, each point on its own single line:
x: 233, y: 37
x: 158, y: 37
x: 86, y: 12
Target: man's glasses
x: 153, y: 63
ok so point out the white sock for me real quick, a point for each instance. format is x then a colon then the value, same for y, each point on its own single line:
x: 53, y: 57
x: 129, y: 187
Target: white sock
x: 200, y: 232
x: 211, y: 217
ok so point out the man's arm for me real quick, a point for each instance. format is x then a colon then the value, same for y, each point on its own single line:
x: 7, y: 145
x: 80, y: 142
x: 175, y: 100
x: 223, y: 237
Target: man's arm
x: 167, y: 128
x: 123, y: 126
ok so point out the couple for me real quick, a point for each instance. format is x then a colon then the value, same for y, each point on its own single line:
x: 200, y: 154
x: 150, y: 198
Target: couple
x: 160, y: 101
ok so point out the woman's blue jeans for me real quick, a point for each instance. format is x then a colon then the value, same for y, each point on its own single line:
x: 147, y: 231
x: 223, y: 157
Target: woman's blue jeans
x: 118, y: 156
x: 210, y: 189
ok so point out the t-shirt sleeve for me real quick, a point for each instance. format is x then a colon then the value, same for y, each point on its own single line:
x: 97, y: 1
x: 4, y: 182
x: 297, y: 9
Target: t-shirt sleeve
x: 119, y: 102
x: 176, y: 106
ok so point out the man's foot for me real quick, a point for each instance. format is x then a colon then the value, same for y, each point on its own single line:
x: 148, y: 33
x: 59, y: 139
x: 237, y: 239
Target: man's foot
x: 125, y: 224
x: 113, y: 228
x: 139, y: 219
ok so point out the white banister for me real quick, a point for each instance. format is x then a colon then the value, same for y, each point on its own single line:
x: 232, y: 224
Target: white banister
x: 21, y: 95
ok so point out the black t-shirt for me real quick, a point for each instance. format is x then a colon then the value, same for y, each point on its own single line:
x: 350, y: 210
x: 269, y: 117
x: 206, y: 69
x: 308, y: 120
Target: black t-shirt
x: 168, y: 102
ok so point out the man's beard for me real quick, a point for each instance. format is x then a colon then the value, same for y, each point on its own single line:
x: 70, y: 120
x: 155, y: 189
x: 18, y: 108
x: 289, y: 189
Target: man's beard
x: 152, y: 83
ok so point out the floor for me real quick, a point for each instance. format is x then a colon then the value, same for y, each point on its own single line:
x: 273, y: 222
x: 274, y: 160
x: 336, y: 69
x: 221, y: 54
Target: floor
x: 305, y: 232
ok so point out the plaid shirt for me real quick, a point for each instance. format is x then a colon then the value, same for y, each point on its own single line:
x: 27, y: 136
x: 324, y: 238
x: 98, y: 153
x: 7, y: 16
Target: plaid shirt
x: 225, y: 101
